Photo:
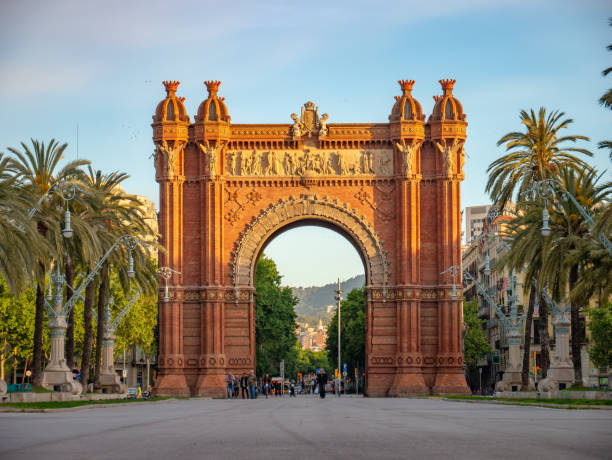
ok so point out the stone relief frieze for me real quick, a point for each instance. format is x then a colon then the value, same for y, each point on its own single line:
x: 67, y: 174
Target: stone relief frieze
x: 247, y: 163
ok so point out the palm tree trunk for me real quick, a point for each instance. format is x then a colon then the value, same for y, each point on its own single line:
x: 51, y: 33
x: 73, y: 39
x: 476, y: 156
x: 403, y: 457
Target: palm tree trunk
x: 576, y: 329
x: 70, y: 330
x: 102, y: 293
x: 544, y: 338
x: 37, y: 371
x: 527, y: 345
x: 90, y: 291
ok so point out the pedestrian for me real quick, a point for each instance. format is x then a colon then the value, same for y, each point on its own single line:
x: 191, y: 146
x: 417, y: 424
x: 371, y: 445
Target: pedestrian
x: 322, y: 381
x: 236, y: 387
x: 266, y: 385
x: 292, y: 389
x: 244, y: 391
x: 252, y: 381
x: 229, y: 381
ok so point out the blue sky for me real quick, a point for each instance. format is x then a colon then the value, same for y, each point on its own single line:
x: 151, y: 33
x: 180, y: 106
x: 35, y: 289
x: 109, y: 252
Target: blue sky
x: 100, y: 65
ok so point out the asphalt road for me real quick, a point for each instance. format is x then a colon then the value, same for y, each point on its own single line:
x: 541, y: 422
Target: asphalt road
x: 308, y: 428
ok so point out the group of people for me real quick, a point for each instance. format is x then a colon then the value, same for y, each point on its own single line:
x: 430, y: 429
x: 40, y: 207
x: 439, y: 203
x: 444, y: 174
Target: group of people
x: 244, y: 385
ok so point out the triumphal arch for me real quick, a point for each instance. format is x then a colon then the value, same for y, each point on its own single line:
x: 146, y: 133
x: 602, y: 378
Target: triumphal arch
x: 392, y: 189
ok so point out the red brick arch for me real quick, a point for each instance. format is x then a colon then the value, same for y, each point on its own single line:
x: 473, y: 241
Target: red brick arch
x: 393, y: 189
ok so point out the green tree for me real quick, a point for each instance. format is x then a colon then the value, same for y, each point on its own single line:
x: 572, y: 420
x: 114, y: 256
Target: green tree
x: 138, y: 326
x: 475, y: 343
x: 17, y: 329
x: 352, y: 325
x: 600, y: 326
x: 275, y: 317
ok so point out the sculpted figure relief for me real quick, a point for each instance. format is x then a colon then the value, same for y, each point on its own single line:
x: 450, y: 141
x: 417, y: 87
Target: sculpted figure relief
x: 312, y: 161
x: 170, y: 154
x: 211, y: 157
x: 450, y: 153
x: 408, y: 155
x: 296, y: 129
x: 323, y: 125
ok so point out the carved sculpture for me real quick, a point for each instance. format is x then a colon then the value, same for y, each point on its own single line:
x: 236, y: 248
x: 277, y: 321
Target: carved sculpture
x: 170, y: 154
x: 323, y: 125
x: 211, y: 158
x: 231, y: 163
x: 450, y: 153
x: 309, y: 121
x: 296, y: 129
x: 312, y: 161
x: 408, y: 155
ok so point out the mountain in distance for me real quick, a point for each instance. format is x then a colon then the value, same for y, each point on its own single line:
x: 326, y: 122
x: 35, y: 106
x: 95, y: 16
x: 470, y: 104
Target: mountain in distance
x: 315, y: 299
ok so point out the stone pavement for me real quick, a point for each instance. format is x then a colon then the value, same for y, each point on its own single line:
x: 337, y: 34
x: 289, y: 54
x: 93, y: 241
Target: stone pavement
x: 308, y: 428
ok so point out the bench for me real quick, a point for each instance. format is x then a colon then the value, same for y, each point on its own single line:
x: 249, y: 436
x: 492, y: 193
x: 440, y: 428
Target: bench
x: 19, y: 388
x: 132, y: 392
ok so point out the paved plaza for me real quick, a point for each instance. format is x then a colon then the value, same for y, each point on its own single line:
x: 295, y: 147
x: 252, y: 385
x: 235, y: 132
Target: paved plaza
x: 308, y: 428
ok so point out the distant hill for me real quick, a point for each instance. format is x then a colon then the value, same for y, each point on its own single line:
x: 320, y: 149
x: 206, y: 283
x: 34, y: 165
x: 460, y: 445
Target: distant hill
x: 314, y: 299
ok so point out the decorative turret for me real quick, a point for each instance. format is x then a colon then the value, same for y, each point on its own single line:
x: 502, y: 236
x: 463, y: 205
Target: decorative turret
x: 170, y: 121
x: 447, y: 131
x: 212, y: 113
x: 447, y: 106
x: 406, y: 107
x: 407, y: 130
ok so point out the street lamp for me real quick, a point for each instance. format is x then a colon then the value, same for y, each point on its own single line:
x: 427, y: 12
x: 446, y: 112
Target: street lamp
x: 166, y: 274
x: 545, y: 227
x: 454, y: 271
x: 546, y: 189
x: 487, y: 264
x: 339, y: 304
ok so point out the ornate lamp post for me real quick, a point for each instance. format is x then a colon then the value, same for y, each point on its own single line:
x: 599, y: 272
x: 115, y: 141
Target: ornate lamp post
x: 108, y: 377
x: 166, y: 274
x: 57, y: 372
x: 513, y: 325
x: 561, y: 371
x: 338, y: 298
x: 546, y: 189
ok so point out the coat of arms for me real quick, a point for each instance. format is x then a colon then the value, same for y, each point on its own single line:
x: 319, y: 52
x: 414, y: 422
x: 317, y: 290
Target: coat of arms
x: 309, y: 122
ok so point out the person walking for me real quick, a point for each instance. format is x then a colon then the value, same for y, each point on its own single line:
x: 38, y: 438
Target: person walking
x: 229, y: 381
x: 322, y: 381
x: 266, y: 383
x: 244, y: 392
x: 252, y: 381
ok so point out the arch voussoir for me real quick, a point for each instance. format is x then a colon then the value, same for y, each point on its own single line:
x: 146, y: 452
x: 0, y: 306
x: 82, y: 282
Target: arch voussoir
x: 259, y: 230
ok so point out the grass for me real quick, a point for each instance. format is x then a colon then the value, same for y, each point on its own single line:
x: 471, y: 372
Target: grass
x: 69, y: 404
x: 570, y: 402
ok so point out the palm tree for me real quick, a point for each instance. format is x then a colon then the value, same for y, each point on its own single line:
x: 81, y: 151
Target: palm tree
x: 120, y: 214
x: 570, y: 235
x: 535, y: 154
x: 37, y: 170
x: 19, y: 239
x: 606, y: 101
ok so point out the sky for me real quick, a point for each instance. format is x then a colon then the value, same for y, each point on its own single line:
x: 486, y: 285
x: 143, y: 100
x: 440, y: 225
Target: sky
x: 99, y: 66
